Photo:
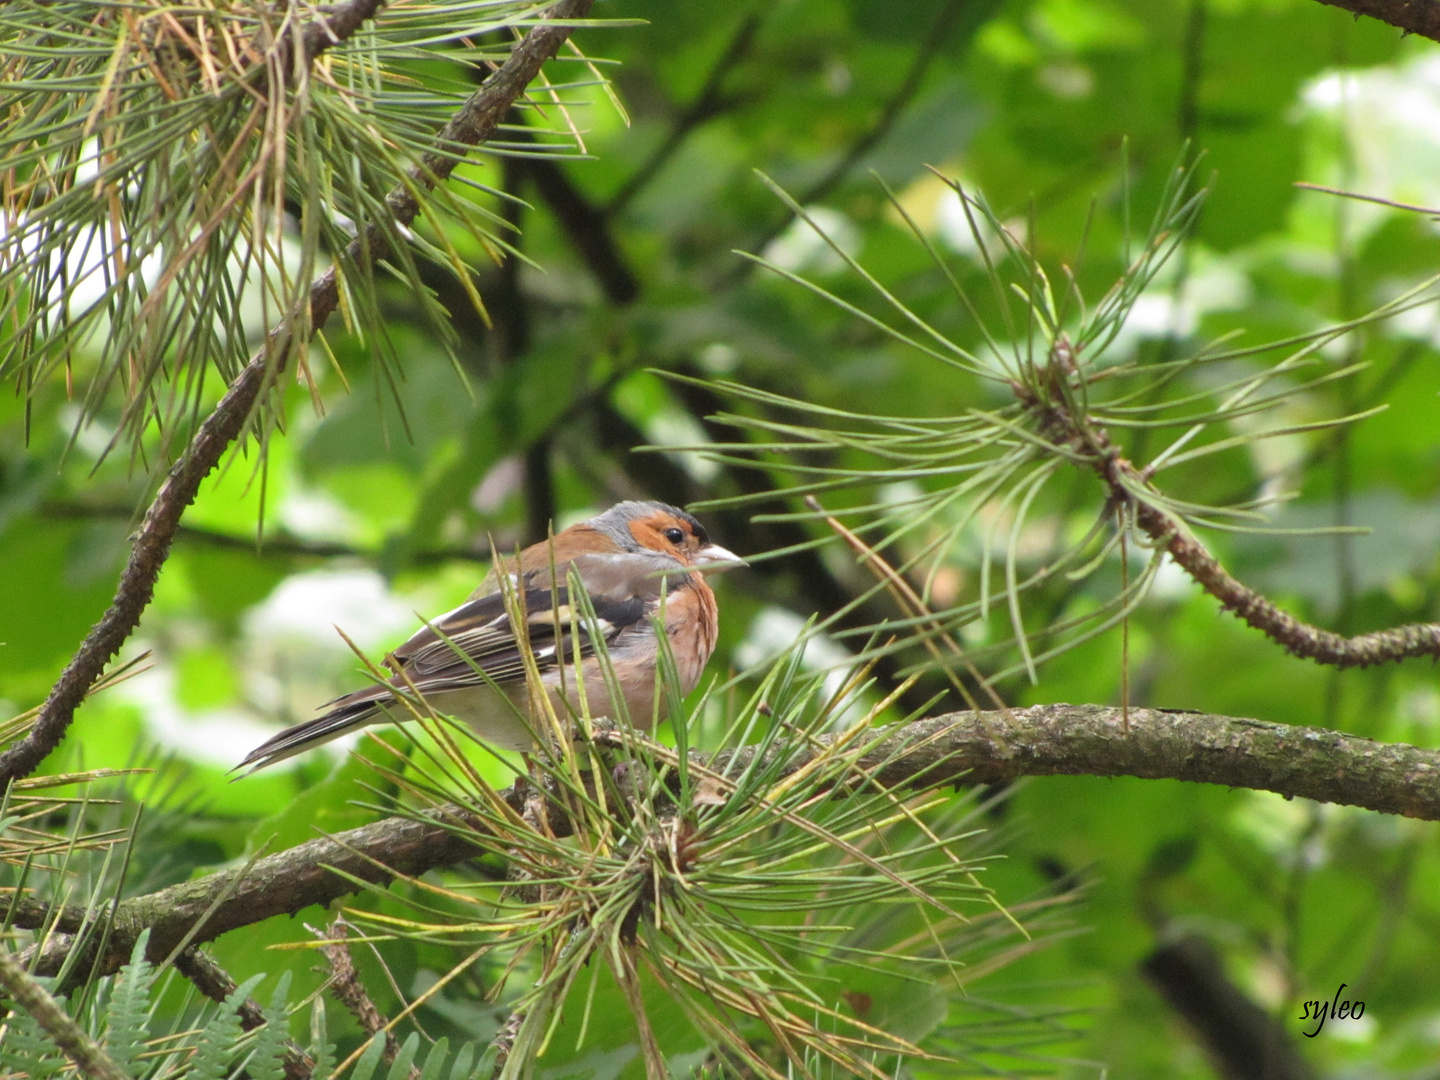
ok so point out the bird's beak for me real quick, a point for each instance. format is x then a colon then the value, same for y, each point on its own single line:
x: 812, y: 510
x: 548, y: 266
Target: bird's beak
x: 712, y: 558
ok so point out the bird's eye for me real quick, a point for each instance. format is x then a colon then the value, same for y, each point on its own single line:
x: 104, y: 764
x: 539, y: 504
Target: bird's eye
x: 674, y: 535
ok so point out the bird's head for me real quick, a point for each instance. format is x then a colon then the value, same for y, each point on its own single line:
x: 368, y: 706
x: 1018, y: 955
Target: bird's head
x: 653, y: 526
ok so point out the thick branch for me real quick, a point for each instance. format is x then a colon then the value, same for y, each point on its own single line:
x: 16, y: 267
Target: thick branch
x: 281, y: 884
x: 585, y: 227
x: 708, y: 104
x: 1090, y: 740
x: 956, y: 748
x: 473, y: 124
x: 1413, y: 16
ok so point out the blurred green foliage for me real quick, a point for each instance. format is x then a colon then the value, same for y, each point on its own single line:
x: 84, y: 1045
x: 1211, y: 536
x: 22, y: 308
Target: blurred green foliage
x: 382, y: 502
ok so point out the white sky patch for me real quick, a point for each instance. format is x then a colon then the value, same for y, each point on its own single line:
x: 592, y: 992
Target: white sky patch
x: 308, y: 607
x: 1278, y: 825
x: 1351, y: 1030
x: 212, y: 736
x: 1214, y: 283
x: 316, y: 515
x: 1392, y: 120
x: 93, y: 438
x: 800, y: 249
x: 672, y: 426
x: 1170, y: 582
x: 958, y: 234
x: 777, y: 629
x: 502, y: 480
x: 1419, y: 323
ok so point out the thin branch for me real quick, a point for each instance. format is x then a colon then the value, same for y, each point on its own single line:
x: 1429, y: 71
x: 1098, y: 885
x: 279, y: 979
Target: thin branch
x: 473, y: 124
x: 280, y: 544
x: 1065, y: 427
x: 580, y: 219
x: 25, y: 993
x: 951, y: 749
x: 336, y: 24
x: 1412, y: 16
x: 216, y: 984
x: 708, y: 104
x: 819, y: 587
x: 1243, y: 1040
x: 345, y: 984
x: 1297, y: 637
x: 504, y: 1041
x: 934, y: 41
x: 585, y: 227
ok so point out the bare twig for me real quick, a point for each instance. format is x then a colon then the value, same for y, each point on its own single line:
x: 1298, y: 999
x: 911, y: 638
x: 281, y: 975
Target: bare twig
x: 708, y: 104
x: 913, y: 605
x: 1377, y: 199
x: 950, y: 749
x: 25, y: 993
x: 473, y: 124
x: 1412, y: 16
x: 345, y: 984
x: 216, y: 984
x: 817, y: 584
x: 504, y: 1040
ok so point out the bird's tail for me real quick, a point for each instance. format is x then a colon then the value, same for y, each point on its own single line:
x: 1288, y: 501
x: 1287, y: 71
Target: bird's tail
x: 350, y: 714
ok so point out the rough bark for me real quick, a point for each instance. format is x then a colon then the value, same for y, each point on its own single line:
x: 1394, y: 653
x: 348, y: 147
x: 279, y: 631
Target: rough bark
x: 956, y: 748
x: 1412, y: 16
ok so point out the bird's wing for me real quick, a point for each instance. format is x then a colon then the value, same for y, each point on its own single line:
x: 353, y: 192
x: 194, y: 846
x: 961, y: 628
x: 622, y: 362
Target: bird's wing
x: 479, y: 636
x: 623, y: 589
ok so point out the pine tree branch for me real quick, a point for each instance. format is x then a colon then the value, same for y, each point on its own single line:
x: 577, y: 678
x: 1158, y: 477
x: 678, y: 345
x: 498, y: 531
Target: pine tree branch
x: 951, y: 749
x: 1412, y: 16
x: 1063, y: 424
x: 473, y: 124
x: 315, y: 872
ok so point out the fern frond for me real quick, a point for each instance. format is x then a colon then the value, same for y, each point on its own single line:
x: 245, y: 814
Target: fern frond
x: 215, y: 1046
x: 127, y: 1015
x: 25, y: 1049
x: 267, y: 1056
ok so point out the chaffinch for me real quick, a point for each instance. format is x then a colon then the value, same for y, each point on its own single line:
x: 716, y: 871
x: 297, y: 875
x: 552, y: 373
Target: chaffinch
x: 628, y: 559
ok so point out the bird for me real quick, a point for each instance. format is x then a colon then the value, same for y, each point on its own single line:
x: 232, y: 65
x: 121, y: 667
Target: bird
x: 635, y: 560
